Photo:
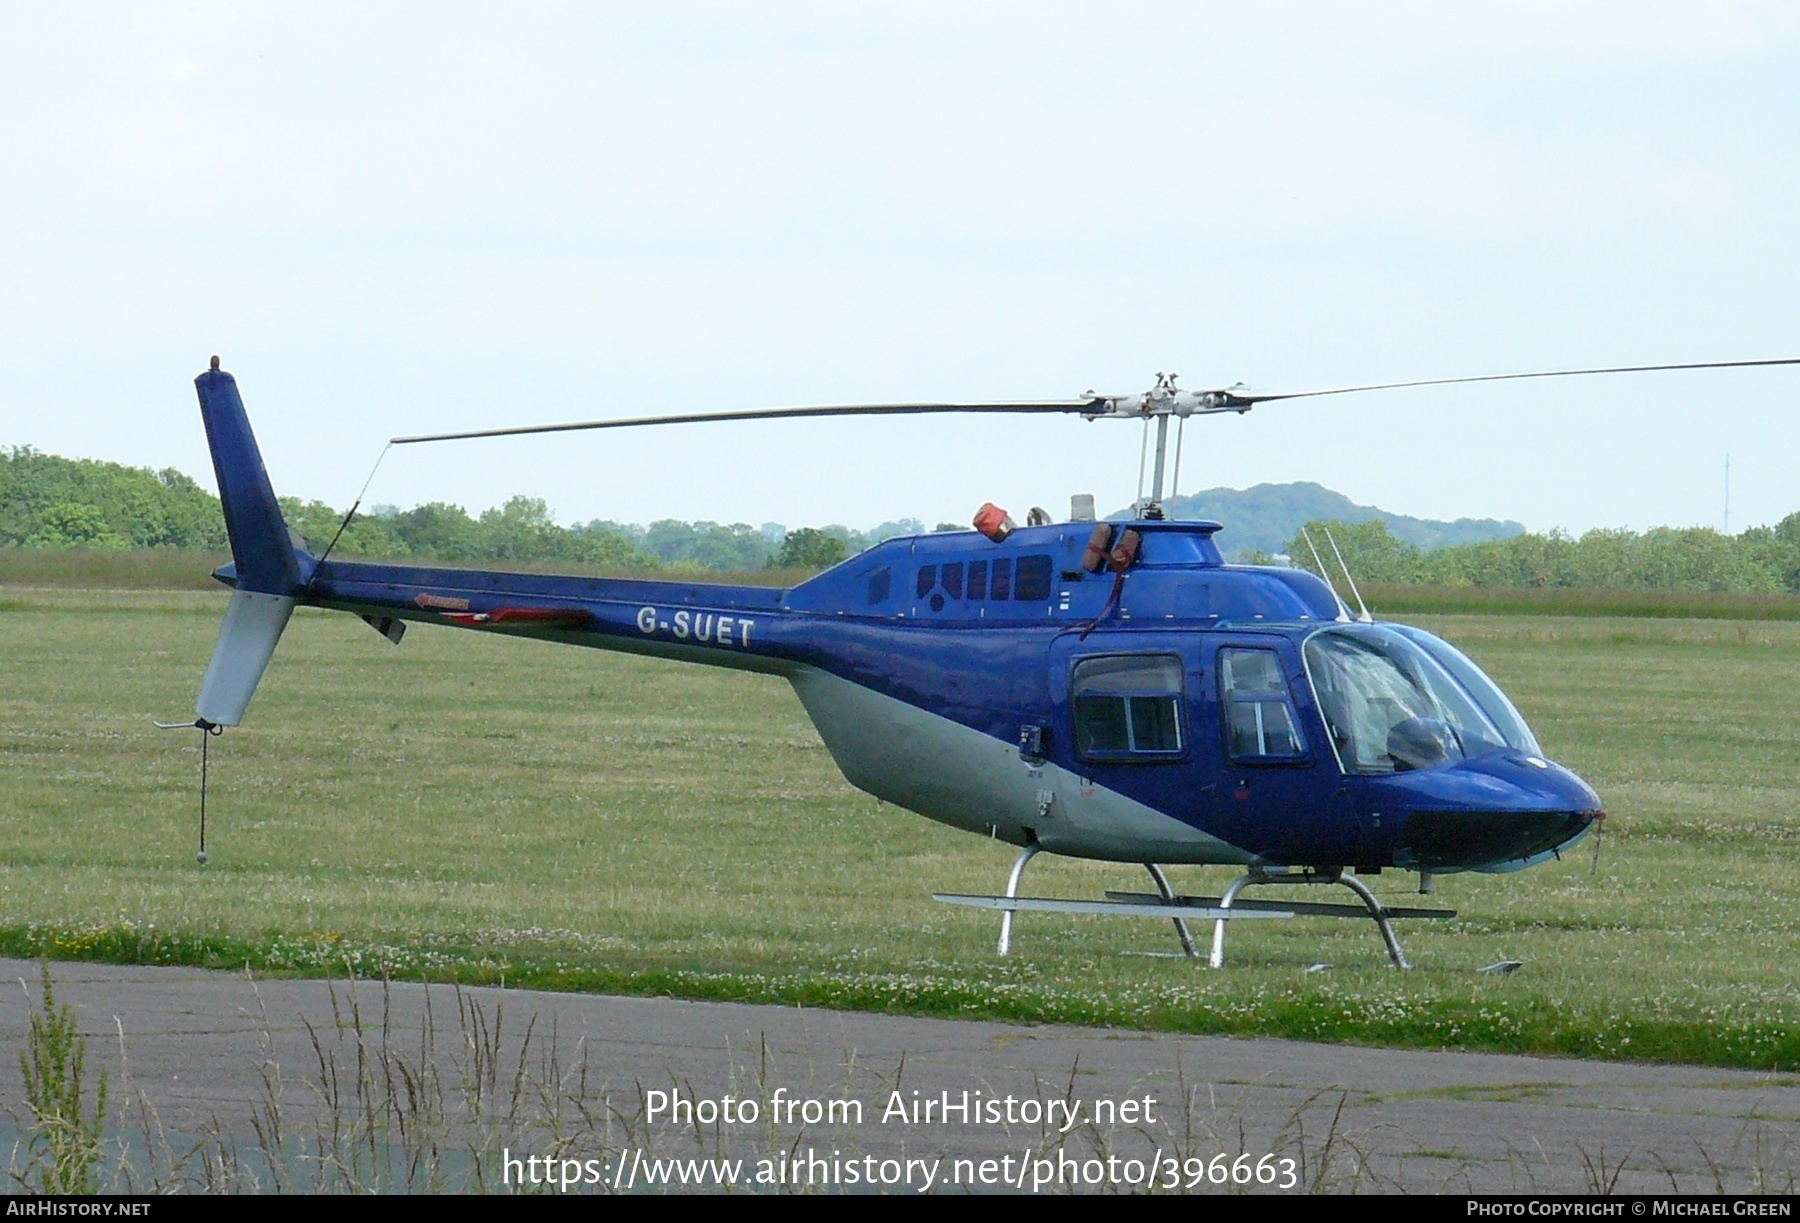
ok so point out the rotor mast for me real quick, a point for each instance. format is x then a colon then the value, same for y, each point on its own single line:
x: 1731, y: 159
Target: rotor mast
x: 1162, y: 449
x: 1160, y: 403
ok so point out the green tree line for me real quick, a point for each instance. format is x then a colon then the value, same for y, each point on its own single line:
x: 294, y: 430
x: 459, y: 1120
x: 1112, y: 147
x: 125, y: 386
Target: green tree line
x: 52, y: 502
x: 1762, y: 560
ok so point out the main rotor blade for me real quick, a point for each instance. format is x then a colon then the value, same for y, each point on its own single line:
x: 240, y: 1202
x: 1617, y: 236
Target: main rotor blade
x: 1094, y: 406
x: 694, y: 418
x: 1551, y: 373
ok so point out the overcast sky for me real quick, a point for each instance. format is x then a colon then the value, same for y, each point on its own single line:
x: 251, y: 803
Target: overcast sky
x: 410, y: 218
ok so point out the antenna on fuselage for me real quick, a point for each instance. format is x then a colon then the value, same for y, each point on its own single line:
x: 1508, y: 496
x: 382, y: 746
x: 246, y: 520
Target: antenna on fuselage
x: 1343, y: 608
x: 1366, y: 618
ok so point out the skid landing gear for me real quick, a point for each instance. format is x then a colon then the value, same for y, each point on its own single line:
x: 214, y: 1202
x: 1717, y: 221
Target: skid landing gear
x: 1012, y: 893
x: 1165, y: 903
x: 1188, y: 946
x: 1255, y: 877
x: 1182, y: 909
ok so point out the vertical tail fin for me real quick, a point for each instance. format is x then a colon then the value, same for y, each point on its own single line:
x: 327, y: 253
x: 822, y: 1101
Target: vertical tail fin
x: 268, y: 568
x: 260, y: 545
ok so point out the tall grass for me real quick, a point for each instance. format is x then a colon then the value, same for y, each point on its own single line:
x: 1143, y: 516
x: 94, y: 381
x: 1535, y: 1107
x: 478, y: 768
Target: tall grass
x: 110, y: 568
x: 65, y: 1135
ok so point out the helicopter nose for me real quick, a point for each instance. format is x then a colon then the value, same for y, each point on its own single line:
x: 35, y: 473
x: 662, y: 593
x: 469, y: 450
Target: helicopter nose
x: 1498, y: 812
x: 1448, y: 840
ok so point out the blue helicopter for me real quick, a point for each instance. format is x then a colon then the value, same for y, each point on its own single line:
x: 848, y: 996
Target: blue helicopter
x: 1097, y: 689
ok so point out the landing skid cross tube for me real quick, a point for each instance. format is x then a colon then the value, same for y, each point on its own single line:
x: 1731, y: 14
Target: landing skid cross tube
x: 1012, y: 893
x: 1376, y: 911
x: 1178, y: 909
x: 1216, y: 909
x: 1168, y: 894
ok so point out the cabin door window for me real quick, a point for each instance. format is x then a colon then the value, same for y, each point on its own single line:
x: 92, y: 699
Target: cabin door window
x: 1259, y: 714
x: 1129, y: 707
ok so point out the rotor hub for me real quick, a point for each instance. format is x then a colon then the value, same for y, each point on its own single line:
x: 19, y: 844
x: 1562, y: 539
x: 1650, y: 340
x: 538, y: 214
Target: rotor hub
x: 1165, y: 399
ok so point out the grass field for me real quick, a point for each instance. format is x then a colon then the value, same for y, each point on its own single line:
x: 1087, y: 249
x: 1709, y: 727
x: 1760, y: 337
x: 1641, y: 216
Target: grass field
x: 178, y: 569
x: 1393, y: 601
x: 484, y: 808
x: 189, y: 569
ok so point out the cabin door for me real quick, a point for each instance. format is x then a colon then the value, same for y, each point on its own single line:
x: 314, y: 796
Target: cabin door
x: 1282, y: 795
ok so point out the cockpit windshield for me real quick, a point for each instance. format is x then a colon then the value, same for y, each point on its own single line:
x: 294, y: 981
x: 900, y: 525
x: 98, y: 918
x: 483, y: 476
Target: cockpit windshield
x: 1397, y: 698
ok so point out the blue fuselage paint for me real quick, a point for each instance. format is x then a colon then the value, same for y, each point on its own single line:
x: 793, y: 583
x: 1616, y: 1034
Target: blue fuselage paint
x: 959, y: 641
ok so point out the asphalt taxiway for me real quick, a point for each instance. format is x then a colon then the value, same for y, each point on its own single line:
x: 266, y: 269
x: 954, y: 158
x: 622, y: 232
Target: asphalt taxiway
x: 217, y: 1056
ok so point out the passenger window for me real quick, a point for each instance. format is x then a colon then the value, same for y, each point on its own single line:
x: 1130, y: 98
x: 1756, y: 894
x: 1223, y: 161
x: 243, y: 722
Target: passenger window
x: 927, y: 579
x: 978, y: 579
x: 1259, y: 716
x: 953, y: 579
x: 1001, y: 588
x: 878, y: 585
x: 1128, y: 706
x: 1033, y: 579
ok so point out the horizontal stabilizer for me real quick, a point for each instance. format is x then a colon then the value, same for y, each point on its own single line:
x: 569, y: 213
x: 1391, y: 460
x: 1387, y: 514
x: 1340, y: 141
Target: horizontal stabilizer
x: 253, y: 625
x: 388, y: 626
